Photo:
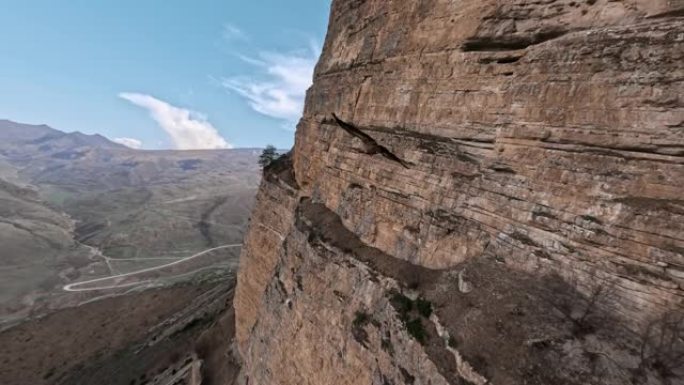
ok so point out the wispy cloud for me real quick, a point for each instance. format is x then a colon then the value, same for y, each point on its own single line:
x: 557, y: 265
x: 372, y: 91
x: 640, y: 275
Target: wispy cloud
x: 129, y: 142
x: 232, y: 32
x: 278, y: 87
x: 187, y: 129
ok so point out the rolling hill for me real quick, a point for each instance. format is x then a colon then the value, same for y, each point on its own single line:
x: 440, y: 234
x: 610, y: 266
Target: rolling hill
x: 76, y: 207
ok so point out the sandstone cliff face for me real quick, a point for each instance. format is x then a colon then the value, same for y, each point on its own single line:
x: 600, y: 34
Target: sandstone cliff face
x: 516, y: 165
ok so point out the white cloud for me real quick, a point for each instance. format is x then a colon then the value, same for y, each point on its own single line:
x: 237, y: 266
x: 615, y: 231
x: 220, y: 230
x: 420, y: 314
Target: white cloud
x: 231, y: 32
x: 129, y: 142
x: 188, y: 129
x: 279, y: 87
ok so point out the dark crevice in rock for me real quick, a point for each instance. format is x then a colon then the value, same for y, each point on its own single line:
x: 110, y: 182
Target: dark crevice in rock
x: 510, y: 42
x: 325, y: 226
x: 500, y: 60
x: 672, y: 150
x: 373, y: 146
x: 523, y: 238
x: 645, y: 204
x: 414, y: 133
x: 463, y: 157
x: 432, y: 144
x: 679, y: 12
x: 503, y: 169
x: 622, y: 151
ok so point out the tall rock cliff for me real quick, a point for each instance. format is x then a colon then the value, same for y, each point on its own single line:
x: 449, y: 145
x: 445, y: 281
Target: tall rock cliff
x: 480, y: 191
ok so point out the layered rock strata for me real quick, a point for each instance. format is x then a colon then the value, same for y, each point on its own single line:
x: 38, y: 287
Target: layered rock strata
x: 480, y: 192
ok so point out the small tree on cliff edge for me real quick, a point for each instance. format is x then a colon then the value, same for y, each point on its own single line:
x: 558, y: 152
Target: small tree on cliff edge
x: 267, y: 156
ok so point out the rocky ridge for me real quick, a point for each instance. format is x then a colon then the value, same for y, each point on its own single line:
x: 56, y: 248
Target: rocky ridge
x: 480, y: 192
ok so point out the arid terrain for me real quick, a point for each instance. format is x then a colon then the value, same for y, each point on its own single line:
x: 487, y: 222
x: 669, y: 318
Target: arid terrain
x: 152, y: 335
x: 481, y: 192
x: 115, y: 262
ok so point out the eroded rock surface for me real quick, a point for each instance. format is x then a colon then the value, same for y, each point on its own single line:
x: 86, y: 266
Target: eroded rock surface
x: 516, y: 165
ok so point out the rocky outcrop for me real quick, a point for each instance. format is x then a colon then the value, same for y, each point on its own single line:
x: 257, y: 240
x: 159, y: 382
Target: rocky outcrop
x: 513, y: 167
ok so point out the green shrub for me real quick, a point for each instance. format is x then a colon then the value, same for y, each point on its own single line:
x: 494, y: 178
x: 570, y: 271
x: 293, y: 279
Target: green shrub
x: 268, y: 155
x: 415, y: 328
x: 424, y: 307
x: 358, y: 332
x: 402, y: 303
x: 361, y: 319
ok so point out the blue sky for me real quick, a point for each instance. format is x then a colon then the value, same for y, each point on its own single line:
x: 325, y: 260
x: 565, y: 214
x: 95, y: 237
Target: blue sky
x: 166, y: 73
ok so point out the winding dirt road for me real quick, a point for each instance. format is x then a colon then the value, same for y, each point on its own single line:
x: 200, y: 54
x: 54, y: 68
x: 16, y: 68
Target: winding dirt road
x: 75, y: 287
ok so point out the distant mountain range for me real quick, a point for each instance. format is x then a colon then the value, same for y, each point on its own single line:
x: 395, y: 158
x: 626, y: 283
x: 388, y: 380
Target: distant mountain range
x: 73, y: 205
x: 18, y: 141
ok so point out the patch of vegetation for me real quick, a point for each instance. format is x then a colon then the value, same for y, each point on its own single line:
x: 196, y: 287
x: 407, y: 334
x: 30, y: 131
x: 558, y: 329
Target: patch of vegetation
x: 590, y: 218
x: 416, y: 330
x: 463, y: 157
x: 524, y: 238
x: 541, y: 212
x: 662, y: 347
x: 358, y: 327
x: 424, y: 307
x: 584, y: 310
x: 411, y: 313
x: 542, y: 254
x: 361, y: 319
x: 268, y: 155
x: 402, y: 304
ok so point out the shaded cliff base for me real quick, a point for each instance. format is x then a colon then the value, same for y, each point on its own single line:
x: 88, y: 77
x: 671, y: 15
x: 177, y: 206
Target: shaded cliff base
x: 483, y: 322
x: 335, y: 310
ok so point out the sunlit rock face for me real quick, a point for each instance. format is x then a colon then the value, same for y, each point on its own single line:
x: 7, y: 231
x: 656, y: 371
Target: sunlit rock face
x: 516, y: 165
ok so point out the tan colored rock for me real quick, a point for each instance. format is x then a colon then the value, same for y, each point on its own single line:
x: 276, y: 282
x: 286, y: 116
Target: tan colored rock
x: 271, y: 221
x: 571, y: 146
x: 544, y: 138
